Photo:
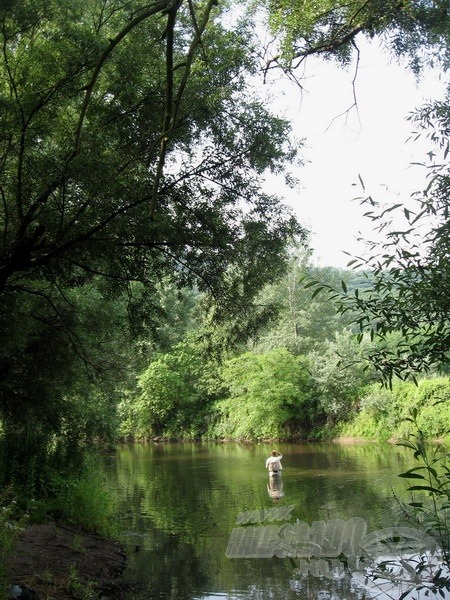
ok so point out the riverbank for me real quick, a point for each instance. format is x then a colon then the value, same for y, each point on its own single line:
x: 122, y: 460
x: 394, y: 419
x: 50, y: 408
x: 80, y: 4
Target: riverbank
x: 55, y: 562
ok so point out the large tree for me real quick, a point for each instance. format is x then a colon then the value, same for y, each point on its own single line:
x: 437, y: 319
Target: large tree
x: 131, y: 150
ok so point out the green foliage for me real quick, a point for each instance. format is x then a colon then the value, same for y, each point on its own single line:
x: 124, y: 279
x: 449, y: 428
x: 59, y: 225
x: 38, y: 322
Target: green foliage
x: 122, y: 181
x: 406, y: 293
x: 268, y: 394
x: 96, y: 164
x: 434, y: 420
x: 337, y: 395
x: 339, y: 376
x: 54, y: 436
x: 408, y: 274
x: 429, y: 510
x: 376, y: 418
x: 305, y: 320
x: 422, y: 571
x: 62, y: 362
x: 125, y: 183
x: 317, y: 27
x: 83, y: 499
x: 175, y: 393
x: 417, y: 29
x: 79, y: 496
x: 178, y: 312
x: 384, y: 413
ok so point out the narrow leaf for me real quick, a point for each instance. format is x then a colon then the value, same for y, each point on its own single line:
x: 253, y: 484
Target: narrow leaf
x: 316, y: 291
x: 406, y: 443
x: 424, y: 488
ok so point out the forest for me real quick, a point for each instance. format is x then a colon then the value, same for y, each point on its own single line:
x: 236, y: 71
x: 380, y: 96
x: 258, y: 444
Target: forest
x: 150, y: 288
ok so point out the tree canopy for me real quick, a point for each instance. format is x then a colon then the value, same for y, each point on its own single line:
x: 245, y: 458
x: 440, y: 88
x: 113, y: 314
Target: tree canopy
x: 132, y: 150
x: 417, y: 30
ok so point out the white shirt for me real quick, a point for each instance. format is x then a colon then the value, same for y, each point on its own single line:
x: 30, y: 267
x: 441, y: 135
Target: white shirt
x: 271, y: 463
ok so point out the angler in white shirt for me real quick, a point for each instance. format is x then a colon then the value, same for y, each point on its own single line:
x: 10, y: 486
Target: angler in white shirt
x: 273, y: 463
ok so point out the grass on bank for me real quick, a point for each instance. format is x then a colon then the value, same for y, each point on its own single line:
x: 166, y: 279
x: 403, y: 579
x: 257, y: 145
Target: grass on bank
x: 383, y: 414
x: 85, y: 501
x: 11, y: 525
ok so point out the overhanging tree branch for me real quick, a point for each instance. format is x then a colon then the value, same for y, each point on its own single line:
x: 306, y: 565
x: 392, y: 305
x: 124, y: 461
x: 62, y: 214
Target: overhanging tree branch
x: 173, y: 103
x: 159, y: 7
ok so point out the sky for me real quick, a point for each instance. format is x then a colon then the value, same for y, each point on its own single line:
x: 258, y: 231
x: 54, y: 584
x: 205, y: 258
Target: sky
x: 368, y: 142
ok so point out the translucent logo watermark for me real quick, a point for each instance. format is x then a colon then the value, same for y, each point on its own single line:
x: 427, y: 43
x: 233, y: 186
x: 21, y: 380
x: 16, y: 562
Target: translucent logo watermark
x: 278, y: 513
x: 326, y: 548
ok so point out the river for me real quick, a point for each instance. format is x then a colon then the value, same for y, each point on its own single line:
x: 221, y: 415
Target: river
x: 183, y: 508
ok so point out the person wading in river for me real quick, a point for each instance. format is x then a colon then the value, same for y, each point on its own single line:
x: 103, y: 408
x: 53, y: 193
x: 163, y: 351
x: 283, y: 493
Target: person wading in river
x: 273, y: 463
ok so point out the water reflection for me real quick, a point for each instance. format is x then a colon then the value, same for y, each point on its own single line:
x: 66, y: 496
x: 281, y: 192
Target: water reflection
x: 179, y: 504
x: 275, y: 487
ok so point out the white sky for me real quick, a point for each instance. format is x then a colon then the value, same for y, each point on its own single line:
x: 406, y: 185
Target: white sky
x: 370, y: 142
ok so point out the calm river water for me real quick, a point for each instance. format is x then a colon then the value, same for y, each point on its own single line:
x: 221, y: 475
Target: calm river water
x: 181, y: 504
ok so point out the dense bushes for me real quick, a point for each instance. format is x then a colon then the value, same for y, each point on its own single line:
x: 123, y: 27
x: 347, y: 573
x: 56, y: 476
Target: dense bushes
x: 305, y: 377
x: 173, y: 397
x: 276, y: 395
x: 252, y: 396
x: 268, y: 394
x: 384, y: 413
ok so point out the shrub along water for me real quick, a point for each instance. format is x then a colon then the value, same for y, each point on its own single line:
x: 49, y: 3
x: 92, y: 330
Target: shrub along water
x: 276, y: 395
x: 83, y: 500
x: 384, y: 413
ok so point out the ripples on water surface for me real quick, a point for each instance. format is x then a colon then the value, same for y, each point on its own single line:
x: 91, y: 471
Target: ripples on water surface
x: 179, y: 504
